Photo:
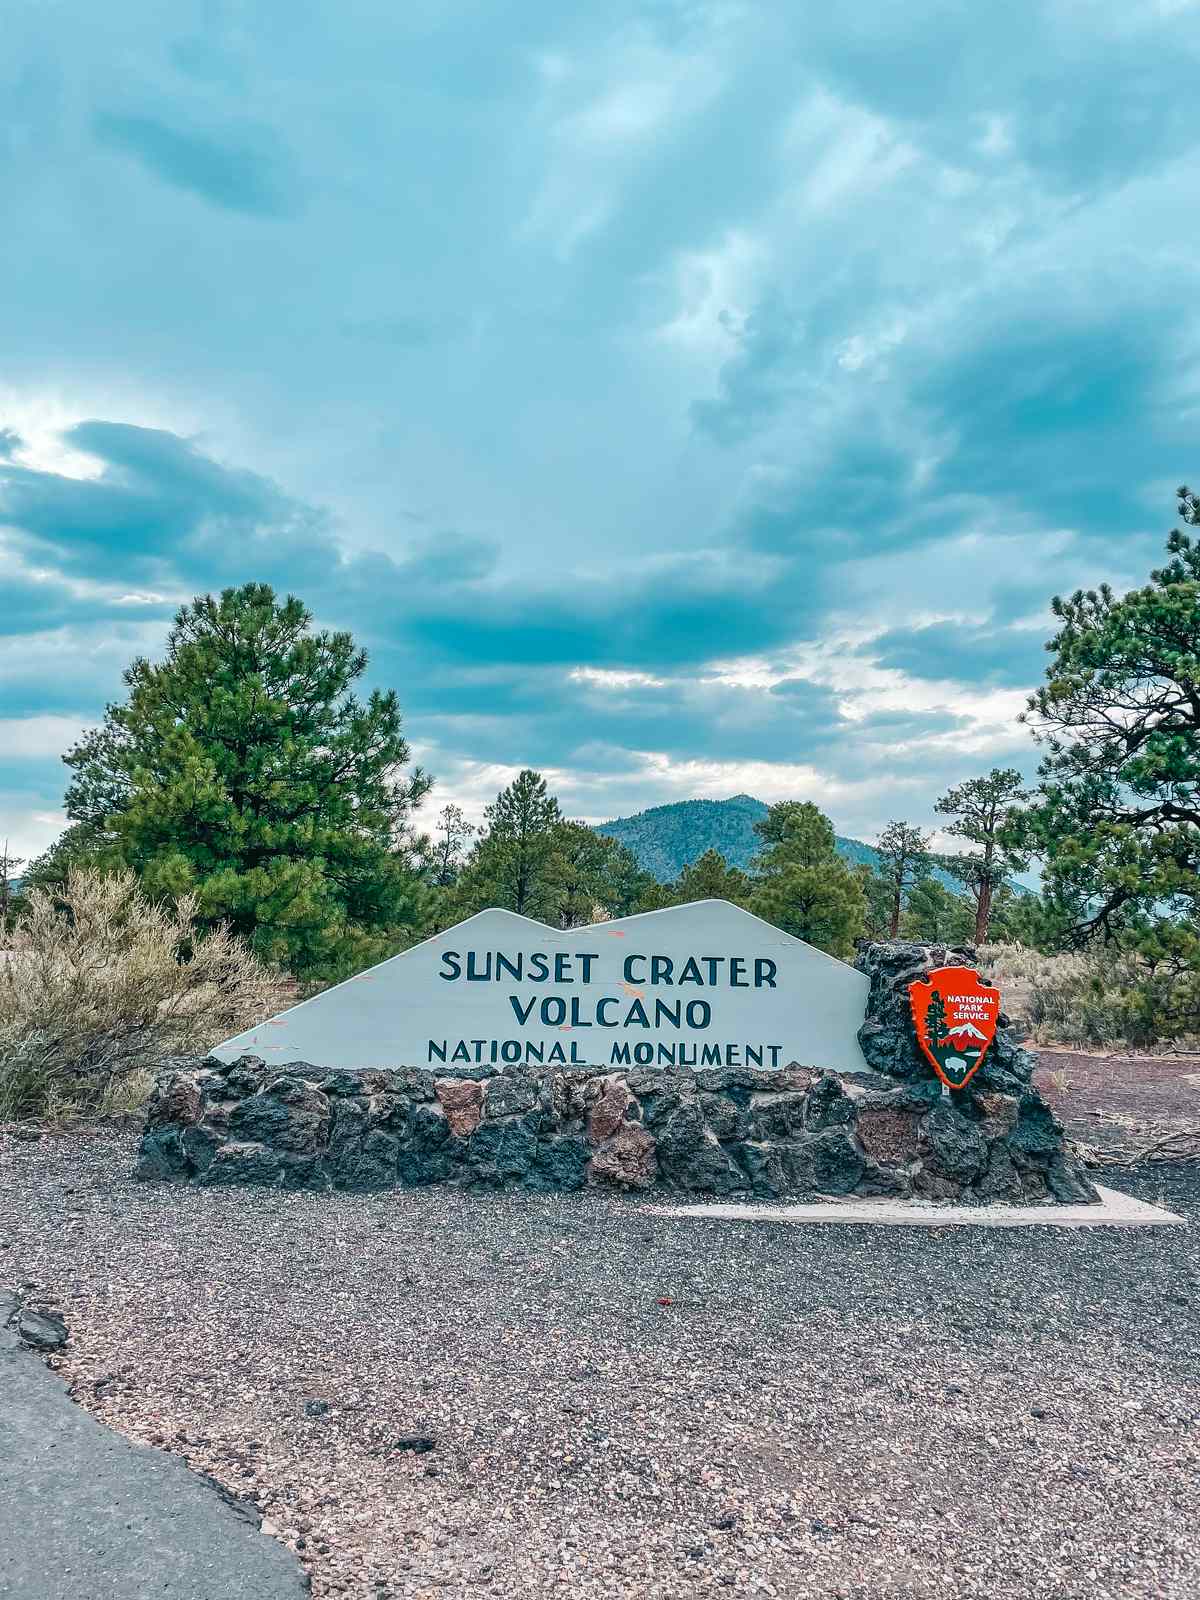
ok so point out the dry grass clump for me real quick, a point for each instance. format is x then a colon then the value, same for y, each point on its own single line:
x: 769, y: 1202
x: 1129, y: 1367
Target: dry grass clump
x: 99, y: 984
x: 1102, y: 997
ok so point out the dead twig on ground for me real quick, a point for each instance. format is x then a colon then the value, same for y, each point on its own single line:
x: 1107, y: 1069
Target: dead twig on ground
x: 1183, y: 1144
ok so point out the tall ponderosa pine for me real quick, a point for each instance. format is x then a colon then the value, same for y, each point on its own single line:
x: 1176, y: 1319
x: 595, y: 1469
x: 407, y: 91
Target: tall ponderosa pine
x: 508, y: 866
x: 531, y: 859
x: 1027, y: 919
x: 985, y: 810
x: 804, y: 886
x: 709, y: 877
x: 244, y: 767
x: 590, y: 876
x: 903, y: 858
x: 877, y: 897
x: 1117, y: 818
x: 446, y: 848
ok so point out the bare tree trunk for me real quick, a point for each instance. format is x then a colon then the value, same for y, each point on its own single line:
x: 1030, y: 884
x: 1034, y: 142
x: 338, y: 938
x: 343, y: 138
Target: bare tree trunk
x: 983, y: 912
x: 894, y: 925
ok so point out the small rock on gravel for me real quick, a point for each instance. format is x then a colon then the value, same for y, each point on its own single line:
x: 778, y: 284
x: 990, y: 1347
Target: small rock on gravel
x: 41, y: 1330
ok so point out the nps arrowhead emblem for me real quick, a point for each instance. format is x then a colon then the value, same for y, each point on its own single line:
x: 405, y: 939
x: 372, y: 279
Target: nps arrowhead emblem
x: 955, y: 1016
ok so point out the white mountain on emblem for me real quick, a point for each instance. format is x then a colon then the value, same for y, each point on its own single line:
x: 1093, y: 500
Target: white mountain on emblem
x: 965, y: 1030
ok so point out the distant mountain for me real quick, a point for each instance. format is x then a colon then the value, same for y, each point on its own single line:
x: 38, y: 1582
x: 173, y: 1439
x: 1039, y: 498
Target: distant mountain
x: 666, y: 839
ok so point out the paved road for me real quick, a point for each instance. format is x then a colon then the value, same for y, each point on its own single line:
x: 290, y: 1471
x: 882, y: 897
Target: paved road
x: 89, y: 1516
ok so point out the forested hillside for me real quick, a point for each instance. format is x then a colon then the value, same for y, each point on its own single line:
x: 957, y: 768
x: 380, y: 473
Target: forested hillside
x: 666, y: 839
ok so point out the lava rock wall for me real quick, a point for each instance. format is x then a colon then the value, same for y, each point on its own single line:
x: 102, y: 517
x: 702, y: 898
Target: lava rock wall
x: 726, y: 1131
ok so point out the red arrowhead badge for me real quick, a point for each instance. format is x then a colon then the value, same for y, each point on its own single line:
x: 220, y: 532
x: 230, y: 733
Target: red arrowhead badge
x: 955, y: 1017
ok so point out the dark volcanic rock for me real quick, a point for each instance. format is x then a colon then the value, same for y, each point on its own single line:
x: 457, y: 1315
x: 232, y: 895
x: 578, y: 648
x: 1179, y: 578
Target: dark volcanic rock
x: 827, y: 1105
x: 41, y: 1330
x: 501, y: 1153
x: 162, y: 1154
x: 243, y: 1163
x: 690, y: 1156
x: 776, y: 1116
x: 560, y: 1164
x: 951, y: 1145
x: 829, y: 1162
x: 793, y: 1130
x: 367, y: 1162
x: 287, y: 1114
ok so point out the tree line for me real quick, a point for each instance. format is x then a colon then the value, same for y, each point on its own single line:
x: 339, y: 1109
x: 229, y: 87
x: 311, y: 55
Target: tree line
x: 245, y: 768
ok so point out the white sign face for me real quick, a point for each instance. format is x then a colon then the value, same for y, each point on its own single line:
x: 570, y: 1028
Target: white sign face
x: 702, y: 985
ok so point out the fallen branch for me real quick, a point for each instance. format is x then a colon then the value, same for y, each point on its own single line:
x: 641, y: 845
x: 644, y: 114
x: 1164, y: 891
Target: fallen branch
x: 1181, y: 1145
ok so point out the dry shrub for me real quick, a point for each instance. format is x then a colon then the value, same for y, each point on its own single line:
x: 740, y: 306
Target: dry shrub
x: 99, y: 984
x: 1102, y: 997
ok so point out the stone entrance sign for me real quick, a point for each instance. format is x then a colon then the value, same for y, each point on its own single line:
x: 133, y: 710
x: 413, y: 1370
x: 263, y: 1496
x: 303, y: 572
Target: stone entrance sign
x: 695, y: 1049
x: 702, y: 985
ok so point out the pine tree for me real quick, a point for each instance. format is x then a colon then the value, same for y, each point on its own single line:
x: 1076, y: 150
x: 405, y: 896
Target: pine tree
x: 80, y: 845
x: 935, y: 915
x: 985, y: 810
x: 709, y: 877
x: 804, y: 886
x: 878, y: 898
x: 1117, y: 815
x: 532, y: 860
x: 454, y: 832
x: 244, y: 767
x: 508, y: 865
x: 903, y: 858
x: 586, y: 874
x: 1027, y: 919
x: 795, y: 833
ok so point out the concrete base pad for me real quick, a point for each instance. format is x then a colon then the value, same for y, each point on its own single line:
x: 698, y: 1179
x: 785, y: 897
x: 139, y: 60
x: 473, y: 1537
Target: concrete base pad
x: 1115, y: 1210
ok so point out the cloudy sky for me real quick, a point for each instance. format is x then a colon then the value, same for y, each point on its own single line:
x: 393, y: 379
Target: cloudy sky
x: 684, y: 398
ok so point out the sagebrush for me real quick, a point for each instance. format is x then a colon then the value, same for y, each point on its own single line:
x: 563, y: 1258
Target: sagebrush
x: 1101, y: 996
x: 98, y: 984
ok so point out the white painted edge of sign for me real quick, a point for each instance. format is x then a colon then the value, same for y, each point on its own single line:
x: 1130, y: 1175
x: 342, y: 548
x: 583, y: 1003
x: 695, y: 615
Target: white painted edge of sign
x: 1115, y: 1210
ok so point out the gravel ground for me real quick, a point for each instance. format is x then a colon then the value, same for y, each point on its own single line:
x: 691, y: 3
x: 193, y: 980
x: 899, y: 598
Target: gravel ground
x: 431, y: 1393
x: 1119, y: 1102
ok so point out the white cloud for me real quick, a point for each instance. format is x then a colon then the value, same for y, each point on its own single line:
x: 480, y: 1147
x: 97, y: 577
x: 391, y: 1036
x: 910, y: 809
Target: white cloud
x: 41, y: 416
x: 714, y: 292
x: 606, y: 678
x: 29, y: 833
x: 996, y: 138
x: 837, y: 150
x: 36, y: 738
x: 470, y: 785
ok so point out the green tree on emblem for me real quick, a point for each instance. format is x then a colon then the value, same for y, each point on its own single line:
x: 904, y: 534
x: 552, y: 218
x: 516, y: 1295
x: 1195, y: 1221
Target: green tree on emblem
x: 935, y: 1023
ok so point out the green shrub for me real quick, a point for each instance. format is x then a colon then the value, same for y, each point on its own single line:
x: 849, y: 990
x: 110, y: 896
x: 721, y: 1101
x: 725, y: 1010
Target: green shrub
x: 1101, y: 996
